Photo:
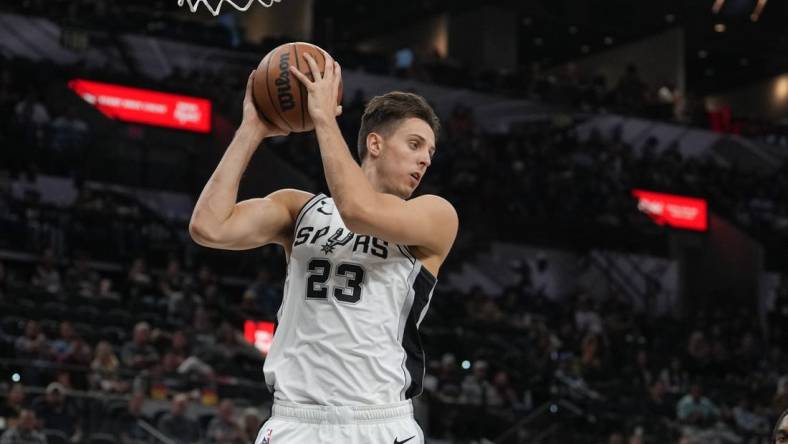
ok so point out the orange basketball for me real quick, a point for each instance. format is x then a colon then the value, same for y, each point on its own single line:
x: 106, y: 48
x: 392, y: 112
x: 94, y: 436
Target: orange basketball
x: 280, y: 97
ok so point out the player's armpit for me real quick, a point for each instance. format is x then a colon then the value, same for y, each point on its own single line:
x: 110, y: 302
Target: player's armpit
x: 427, y: 221
x: 252, y: 223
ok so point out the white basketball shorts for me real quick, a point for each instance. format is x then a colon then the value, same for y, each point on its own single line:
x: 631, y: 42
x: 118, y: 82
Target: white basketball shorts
x: 292, y: 423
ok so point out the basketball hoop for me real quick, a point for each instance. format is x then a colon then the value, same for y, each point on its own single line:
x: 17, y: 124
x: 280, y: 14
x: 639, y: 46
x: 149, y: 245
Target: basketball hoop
x: 195, y: 4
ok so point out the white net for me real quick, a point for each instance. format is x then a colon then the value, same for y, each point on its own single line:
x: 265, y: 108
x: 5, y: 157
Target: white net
x: 215, y: 10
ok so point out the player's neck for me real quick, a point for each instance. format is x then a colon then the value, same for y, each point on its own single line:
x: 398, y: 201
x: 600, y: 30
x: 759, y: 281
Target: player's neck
x: 376, y: 180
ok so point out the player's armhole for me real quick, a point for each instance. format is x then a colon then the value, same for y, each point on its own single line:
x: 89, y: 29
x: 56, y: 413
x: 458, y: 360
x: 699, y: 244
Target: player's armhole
x: 304, y: 209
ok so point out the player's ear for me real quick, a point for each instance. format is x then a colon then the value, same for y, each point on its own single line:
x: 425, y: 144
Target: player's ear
x: 374, y: 144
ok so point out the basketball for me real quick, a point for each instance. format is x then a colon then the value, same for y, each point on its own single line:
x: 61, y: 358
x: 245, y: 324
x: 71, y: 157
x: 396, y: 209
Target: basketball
x: 278, y: 95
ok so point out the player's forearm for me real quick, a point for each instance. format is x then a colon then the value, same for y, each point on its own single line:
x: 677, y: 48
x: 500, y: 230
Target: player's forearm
x: 349, y: 187
x: 218, y: 197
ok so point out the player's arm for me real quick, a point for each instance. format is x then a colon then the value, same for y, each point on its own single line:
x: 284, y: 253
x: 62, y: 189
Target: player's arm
x: 426, y: 221
x: 218, y: 221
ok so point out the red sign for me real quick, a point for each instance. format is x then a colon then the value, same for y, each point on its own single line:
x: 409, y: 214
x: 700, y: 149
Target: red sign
x: 259, y: 334
x: 676, y: 211
x: 146, y: 106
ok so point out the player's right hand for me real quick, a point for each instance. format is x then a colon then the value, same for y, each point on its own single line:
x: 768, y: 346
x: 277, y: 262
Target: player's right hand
x: 253, y: 119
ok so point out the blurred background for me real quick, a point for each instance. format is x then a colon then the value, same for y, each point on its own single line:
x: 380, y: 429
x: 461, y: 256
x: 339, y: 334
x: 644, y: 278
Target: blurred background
x: 619, y: 169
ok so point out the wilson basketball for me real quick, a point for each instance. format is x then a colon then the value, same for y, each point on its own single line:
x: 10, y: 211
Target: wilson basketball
x: 279, y: 96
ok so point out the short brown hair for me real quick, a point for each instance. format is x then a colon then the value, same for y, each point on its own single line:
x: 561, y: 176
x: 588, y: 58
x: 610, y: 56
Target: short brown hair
x: 383, y: 111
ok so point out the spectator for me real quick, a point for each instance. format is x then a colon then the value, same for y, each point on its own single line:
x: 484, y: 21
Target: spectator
x: 24, y: 432
x: 69, y: 131
x: 631, y: 90
x: 13, y: 405
x: 138, y: 354
x: 251, y: 423
x: 172, y: 283
x: 57, y: 412
x: 46, y: 275
x: 695, y: 409
x: 749, y: 423
x: 62, y: 346
x: 33, y: 345
x: 586, y: 318
x: 657, y: 404
x: 81, y: 279
x: 675, y: 378
x: 266, y: 296
x: 403, y: 62
x: 503, y: 394
x: 475, y: 387
x: 202, y: 328
x: 105, y: 370
x: 698, y: 352
x: 176, y: 425
x: 615, y: 438
x: 129, y: 430
x: 223, y: 429
x: 139, y: 280
x: 641, y: 376
x: 31, y: 111
x: 105, y: 290
x: 33, y: 117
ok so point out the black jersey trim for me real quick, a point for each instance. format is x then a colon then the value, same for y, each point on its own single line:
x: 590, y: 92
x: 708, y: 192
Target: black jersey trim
x: 407, y: 255
x: 307, y: 206
x: 411, y: 341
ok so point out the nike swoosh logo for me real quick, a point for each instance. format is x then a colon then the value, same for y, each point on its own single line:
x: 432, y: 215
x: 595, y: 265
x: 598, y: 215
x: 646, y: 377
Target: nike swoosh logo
x: 403, y: 442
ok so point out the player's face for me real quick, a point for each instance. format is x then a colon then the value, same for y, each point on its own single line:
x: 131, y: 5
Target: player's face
x: 406, y: 155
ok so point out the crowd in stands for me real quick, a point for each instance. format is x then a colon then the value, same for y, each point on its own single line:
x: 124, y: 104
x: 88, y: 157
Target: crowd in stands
x: 87, y: 361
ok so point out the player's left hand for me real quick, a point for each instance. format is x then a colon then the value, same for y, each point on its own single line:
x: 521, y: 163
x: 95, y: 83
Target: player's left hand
x: 323, y: 90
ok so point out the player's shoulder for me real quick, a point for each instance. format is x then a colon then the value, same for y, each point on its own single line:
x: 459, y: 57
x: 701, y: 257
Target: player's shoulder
x: 435, y: 203
x: 293, y: 199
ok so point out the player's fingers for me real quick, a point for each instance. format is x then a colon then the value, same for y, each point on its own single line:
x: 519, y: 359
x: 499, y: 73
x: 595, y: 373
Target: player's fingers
x: 313, y: 66
x: 301, y: 77
x: 329, y: 64
x: 337, y: 75
x: 249, y: 83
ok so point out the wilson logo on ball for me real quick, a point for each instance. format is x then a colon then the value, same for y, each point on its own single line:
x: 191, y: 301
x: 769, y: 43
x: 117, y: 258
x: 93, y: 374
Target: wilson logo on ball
x: 284, y: 93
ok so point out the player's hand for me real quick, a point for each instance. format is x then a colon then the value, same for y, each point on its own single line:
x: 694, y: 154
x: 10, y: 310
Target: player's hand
x: 252, y: 118
x: 323, y: 90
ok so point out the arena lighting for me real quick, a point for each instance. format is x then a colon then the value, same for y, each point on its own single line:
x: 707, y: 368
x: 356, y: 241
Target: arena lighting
x: 260, y: 334
x: 687, y: 213
x: 146, y: 106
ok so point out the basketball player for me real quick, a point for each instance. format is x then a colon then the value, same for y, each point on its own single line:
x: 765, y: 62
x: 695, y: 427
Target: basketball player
x: 346, y: 358
x: 780, y: 434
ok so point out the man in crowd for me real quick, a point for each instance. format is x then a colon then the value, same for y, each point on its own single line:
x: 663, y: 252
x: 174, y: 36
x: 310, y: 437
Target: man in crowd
x: 25, y: 431
x: 138, y: 354
x: 176, y: 425
x: 57, y: 412
x: 223, y: 429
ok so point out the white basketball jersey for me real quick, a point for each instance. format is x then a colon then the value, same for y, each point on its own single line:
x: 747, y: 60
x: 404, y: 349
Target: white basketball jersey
x: 347, y: 330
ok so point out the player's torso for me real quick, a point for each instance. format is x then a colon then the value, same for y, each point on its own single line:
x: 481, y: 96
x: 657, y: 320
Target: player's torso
x: 347, y: 327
